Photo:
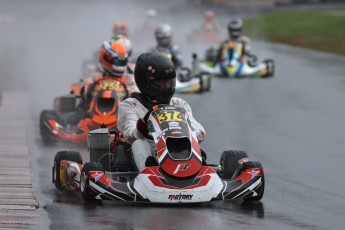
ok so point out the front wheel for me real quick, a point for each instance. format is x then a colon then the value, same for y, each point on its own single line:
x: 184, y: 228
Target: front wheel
x: 206, y: 81
x: 59, y: 171
x: 230, y: 162
x: 86, y: 191
x: 270, y: 67
x: 44, y: 130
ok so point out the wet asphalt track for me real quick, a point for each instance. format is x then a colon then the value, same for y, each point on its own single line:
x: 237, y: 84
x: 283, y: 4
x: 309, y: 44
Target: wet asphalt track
x: 292, y: 123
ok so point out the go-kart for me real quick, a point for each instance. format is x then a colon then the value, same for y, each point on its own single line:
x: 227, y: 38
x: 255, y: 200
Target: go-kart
x: 236, y: 64
x: 176, y: 173
x: 189, y: 80
x: 71, y: 123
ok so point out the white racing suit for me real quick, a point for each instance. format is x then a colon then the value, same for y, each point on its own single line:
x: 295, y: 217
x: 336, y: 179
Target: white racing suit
x: 130, y: 111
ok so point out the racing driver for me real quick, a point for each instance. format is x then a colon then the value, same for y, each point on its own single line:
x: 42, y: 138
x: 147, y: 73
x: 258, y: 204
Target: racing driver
x: 235, y: 35
x: 155, y: 77
x: 113, y: 59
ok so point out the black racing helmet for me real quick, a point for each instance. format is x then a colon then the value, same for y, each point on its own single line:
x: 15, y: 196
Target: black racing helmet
x: 235, y: 28
x: 155, y: 77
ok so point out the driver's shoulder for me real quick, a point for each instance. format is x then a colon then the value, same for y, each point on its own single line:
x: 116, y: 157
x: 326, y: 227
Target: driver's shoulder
x: 179, y: 102
x: 130, y: 102
x: 175, y: 48
x: 245, y: 39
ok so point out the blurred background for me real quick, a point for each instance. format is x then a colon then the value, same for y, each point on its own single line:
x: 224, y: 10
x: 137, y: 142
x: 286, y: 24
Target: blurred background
x: 33, y: 34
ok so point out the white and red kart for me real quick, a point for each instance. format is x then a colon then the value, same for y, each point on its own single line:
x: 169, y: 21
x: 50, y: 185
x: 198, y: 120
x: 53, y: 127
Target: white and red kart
x: 178, y: 173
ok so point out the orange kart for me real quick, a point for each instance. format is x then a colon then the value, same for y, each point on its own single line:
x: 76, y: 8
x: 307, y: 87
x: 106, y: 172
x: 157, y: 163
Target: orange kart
x: 70, y: 123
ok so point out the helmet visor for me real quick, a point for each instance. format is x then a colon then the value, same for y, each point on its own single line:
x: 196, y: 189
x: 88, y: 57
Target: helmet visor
x: 164, y: 84
x: 162, y: 90
x: 119, y: 61
x: 235, y: 32
x: 164, y: 41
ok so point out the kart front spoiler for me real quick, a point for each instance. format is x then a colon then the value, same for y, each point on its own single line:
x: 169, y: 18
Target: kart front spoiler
x: 151, y: 185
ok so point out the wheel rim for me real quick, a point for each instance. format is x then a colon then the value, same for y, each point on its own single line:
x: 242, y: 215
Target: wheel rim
x: 82, y: 182
x: 54, y: 171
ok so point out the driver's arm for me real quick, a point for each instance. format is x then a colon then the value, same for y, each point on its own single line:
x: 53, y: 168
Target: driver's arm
x: 177, y: 57
x: 246, y: 45
x: 128, y: 116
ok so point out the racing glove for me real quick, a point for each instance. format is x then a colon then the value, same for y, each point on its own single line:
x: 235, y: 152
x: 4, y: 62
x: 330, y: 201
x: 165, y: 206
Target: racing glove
x: 141, y: 127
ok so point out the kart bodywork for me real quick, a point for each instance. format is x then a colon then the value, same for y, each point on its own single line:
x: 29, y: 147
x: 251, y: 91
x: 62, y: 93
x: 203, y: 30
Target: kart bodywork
x: 235, y: 64
x: 195, y: 83
x: 69, y: 123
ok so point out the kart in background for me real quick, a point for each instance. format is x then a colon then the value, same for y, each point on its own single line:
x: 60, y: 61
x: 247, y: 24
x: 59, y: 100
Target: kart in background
x: 189, y: 80
x: 70, y: 123
x: 236, y: 64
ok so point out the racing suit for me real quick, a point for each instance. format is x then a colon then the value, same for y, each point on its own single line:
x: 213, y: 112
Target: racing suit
x: 223, y: 46
x: 130, y: 111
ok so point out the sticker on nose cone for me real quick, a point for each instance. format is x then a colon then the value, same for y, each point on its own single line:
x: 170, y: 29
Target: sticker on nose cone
x: 180, y: 197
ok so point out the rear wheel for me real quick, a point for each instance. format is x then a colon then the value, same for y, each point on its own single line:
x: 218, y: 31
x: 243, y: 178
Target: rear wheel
x: 44, y: 130
x: 229, y: 163
x: 58, y: 171
x: 86, y: 191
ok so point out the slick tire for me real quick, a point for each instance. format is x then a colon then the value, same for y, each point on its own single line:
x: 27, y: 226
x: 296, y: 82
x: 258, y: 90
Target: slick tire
x: 208, y: 88
x: 206, y: 79
x: 270, y: 66
x: 45, y: 134
x: 229, y: 163
x: 261, y: 188
x: 63, y: 155
x: 201, y: 90
x: 86, y: 192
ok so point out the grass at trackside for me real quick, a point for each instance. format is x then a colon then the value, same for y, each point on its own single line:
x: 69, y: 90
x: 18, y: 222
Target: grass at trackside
x: 322, y: 30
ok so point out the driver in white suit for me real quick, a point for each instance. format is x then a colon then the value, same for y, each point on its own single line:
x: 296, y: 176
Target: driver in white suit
x: 155, y: 77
